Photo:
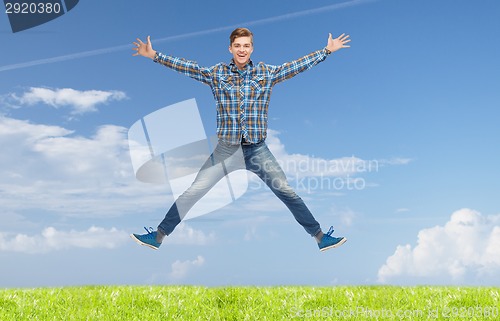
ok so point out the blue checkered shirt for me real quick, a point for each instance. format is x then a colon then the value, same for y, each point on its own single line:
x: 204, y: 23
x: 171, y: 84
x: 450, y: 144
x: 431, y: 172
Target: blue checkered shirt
x: 242, y: 96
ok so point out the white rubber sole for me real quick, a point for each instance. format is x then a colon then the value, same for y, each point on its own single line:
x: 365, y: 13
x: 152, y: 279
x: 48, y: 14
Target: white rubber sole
x: 334, y: 245
x: 142, y: 243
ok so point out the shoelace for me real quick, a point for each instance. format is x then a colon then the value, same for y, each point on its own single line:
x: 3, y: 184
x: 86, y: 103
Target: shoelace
x: 330, y: 231
x: 150, y: 230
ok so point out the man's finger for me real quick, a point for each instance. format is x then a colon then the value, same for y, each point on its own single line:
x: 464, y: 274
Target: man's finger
x: 344, y: 38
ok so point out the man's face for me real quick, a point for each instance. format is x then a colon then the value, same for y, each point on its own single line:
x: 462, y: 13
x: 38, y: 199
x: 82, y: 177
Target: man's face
x: 241, y: 48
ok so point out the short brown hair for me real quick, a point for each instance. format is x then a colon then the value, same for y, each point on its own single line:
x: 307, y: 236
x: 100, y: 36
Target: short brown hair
x: 240, y: 32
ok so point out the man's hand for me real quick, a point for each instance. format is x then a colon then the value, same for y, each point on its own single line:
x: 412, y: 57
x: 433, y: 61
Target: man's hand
x: 337, y: 43
x: 144, y: 49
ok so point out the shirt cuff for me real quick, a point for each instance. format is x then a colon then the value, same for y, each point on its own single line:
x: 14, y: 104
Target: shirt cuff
x: 157, y: 56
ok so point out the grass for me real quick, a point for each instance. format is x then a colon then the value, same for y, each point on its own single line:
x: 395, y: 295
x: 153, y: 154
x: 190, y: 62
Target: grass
x: 250, y: 303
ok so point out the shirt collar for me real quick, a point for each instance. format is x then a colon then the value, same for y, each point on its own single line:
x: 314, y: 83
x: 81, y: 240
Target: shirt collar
x: 235, y: 69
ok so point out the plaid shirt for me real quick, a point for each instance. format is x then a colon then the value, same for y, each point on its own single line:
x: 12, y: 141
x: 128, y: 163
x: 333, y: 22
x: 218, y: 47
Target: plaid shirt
x: 242, y: 96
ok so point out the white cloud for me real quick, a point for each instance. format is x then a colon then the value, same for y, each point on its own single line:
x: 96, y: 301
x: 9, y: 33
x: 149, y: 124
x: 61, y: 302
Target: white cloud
x: 49, y: 168
x: 251, y: 225
x: 465, y: 249
x: 343, y: 216
x: 51, y: 239
x: 12, y: 221
x: 301, y: 165
x: 184, y: 234
x: 79, y: 102
x: 13, y: 128
x: 395, y: 161
x: 313, y: 175
x: 180, y: 269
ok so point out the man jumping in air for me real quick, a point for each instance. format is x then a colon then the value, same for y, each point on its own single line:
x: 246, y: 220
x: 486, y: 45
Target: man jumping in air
x: 242, y: 91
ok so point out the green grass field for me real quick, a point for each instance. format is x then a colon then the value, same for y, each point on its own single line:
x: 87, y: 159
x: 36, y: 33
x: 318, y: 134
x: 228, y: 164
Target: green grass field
x: 250, y: 303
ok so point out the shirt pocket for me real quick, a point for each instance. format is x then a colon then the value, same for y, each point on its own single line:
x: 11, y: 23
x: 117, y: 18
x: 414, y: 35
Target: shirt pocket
x: 226, y: 83
x: 258, y: 83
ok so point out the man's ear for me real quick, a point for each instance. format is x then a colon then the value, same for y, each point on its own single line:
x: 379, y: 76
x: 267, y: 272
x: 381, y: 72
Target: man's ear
x: 230, y: 50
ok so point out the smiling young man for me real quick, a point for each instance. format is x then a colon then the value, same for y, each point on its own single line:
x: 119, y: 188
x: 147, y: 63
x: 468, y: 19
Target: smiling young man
x: 242, y: 91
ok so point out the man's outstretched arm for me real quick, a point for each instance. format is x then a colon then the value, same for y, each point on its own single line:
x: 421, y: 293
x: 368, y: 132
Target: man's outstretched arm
x: 186, y: 67
x: 293, y: 68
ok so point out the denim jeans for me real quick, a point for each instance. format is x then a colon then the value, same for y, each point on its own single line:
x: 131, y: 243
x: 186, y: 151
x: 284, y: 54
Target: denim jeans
x: 226, y: 158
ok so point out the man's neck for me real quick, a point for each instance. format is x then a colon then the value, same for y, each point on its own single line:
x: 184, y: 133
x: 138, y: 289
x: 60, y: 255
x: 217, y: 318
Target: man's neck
x: 241, y: 67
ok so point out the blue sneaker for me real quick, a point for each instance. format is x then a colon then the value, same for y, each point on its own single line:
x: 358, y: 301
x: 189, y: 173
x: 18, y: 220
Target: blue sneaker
x: 329, y: 242
x: 147, y: 239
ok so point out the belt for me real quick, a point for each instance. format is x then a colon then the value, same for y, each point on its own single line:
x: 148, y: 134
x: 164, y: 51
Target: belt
x: 245, y: 142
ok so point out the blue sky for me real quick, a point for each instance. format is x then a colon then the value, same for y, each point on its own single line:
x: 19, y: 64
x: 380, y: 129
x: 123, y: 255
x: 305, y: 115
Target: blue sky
x: 416, y: 94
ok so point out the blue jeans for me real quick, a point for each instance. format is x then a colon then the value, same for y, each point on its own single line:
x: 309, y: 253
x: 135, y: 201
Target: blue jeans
x: 226, y: 158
